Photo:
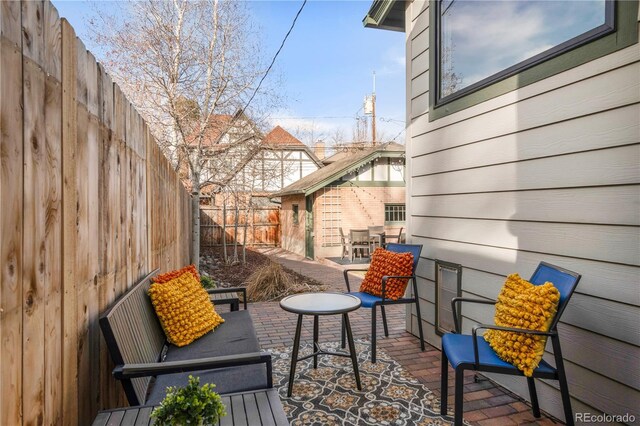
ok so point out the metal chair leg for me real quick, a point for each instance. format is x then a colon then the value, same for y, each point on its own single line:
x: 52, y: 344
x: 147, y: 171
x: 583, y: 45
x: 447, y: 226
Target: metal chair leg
x: 534, y: 397
x: 373, y: 334
x: 294, y: 355
x: 444, y: 383
x: 384, y: 321
x: 315, y: 341
x: 457, y: 421
x: 415, y: 291
x: 562, y: 381
x: 342, y: 335
x: 352, y: 350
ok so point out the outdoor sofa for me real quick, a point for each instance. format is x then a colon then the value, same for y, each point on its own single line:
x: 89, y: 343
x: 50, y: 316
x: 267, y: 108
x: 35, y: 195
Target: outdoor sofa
x: 146, y: 364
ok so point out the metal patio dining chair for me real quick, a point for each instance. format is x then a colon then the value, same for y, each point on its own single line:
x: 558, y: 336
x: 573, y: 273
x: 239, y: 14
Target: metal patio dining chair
x: 397, y: 237
x: 376, y: 235
x: 344, y: 241
x: 472, y: 352
x: 358, y: 241
x: 370, y: 301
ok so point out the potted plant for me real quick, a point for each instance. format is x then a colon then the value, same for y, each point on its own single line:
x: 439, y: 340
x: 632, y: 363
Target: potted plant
x: 207, y: 282
x: 190, y: 405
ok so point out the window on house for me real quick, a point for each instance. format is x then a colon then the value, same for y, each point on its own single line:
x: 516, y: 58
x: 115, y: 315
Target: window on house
x: 482, y: 42
x: 295, y: 214
x: 394, y: 213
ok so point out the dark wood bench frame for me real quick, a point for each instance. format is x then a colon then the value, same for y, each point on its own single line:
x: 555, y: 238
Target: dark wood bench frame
x: 142, y: 339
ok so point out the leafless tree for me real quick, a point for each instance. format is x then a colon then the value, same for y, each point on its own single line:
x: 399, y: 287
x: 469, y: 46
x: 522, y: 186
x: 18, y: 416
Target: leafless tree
x: 183, y: 63
x: 309, y: 133
x: 360, y: 132
x: 338, y: 137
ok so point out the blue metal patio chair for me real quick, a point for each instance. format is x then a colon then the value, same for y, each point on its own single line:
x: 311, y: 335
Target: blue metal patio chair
x: 371, y: 302
x: 472, y: 352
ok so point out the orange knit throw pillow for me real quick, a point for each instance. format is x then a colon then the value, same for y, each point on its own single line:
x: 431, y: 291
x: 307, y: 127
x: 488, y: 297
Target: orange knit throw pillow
x: 388, y: 263
x: 168, y: 276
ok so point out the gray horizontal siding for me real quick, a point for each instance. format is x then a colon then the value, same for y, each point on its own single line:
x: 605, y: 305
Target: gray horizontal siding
x: 549, y: 172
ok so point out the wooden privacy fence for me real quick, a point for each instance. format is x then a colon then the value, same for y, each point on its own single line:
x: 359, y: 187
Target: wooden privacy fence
x: 88, y: 205
x: 262, y: 225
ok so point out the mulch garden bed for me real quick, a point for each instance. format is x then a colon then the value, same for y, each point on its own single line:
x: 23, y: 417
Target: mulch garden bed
x: 237, y: 274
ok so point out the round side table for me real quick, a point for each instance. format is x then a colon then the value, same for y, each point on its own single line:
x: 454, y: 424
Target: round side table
x: 317, y: 304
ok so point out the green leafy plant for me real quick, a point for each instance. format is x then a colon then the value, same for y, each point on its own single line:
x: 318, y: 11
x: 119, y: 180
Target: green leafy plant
x: 190, y: 405
x: 207, y: 282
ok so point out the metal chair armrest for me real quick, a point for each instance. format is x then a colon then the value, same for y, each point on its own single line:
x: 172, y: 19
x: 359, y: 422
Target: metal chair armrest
x: 474, y: 333
x: 131, y: 371
x: 346, y: 275
x: 457, y: 300
x: 229, y: 290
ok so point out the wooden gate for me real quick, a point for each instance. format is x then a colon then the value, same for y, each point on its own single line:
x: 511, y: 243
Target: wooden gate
x: 262, y: 225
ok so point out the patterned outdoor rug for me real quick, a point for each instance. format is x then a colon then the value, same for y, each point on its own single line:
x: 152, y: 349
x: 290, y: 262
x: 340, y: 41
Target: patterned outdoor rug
x: 328, y: 395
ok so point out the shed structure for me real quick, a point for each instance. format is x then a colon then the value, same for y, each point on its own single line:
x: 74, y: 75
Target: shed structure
x: 357, y: 190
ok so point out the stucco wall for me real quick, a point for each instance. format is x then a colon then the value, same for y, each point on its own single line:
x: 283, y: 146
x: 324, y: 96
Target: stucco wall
x: 292, y: 237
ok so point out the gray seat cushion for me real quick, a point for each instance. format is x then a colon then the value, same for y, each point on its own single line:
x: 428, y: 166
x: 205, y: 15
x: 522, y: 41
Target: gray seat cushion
x: 235, y: 336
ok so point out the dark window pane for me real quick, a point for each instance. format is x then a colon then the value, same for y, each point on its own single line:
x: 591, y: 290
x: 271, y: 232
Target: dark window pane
x: 394, y: 213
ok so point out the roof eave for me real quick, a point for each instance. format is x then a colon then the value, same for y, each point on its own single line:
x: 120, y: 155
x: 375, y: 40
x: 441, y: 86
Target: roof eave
x: 288, y: 193
x: 351, y: 168
x: 383, y: 14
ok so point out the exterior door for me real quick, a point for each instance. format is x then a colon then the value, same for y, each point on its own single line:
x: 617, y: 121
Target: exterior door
x: 308, y: 228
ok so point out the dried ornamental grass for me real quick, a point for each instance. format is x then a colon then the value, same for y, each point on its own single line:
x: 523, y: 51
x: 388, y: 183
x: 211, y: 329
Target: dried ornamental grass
x: 268, y: 283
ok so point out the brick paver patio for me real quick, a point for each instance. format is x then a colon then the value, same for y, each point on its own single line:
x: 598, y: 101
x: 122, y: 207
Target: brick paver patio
x: 485, y: 402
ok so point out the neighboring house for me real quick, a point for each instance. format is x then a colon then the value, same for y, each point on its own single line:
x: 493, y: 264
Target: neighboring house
x: 363, y: 188
x: 258, y: 165
x: 530, y: 161
x: 286, y: 154
x: 277, y: 159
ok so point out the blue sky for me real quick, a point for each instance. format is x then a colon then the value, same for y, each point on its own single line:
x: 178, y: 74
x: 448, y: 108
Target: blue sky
x: 326, y: 65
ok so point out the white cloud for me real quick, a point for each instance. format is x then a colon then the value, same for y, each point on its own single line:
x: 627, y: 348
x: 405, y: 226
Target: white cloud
x: 295, y: 122
x: 311, y: 129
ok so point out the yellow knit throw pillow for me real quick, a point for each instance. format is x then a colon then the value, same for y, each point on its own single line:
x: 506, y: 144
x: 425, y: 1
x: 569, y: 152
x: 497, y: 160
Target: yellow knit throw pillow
x: 184, y: 309
x: 523, y: 305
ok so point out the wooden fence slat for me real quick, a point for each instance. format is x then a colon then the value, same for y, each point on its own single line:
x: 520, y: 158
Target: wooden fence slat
x: 69, y: 234
x: 35, y: 256
x: 33, y: 30
x: 94, y: 337
x: 11, y: 214
x: 53, y: 218
x: 11, y: 22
